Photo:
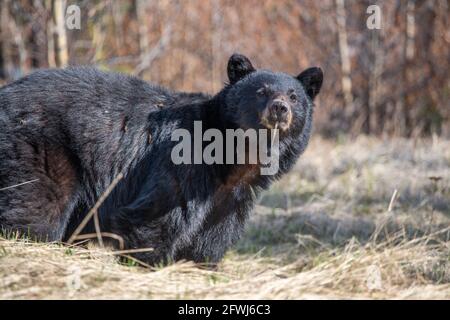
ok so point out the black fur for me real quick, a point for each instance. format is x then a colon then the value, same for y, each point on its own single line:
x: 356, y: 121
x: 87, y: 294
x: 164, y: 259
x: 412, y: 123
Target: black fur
x: 77, y: 129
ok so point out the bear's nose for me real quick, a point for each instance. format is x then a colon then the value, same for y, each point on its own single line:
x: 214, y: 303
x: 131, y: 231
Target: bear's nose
x: 279, y: 108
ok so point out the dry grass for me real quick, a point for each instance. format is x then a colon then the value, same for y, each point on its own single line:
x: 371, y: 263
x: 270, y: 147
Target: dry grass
x: 312, y: 236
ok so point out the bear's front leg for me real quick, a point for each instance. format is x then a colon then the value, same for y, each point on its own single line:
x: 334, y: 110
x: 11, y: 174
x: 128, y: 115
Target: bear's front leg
x: 219, y: 232
x: 142, y: 229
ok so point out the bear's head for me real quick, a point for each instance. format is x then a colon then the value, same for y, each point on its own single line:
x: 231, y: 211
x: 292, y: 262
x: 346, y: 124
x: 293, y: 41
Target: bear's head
x: 264, y: 99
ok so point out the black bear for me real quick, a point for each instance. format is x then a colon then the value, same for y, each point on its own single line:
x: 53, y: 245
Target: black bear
x: 65, y: 135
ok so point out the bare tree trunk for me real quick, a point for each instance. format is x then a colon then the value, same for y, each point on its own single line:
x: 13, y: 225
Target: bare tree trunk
x: 118, y: 20
x: 62, y: 52
x: 216, y: 17
x: 410, y: 29
x: 51, y: 58
x: 374, y: 82
x: 408, y: 54
x: 98, y: 39
x: 16, y: 34
x: 36, y: 41
x: 5, y: 63
x: 141, y: 9
x: 2, y: 67
x: 344, y: 54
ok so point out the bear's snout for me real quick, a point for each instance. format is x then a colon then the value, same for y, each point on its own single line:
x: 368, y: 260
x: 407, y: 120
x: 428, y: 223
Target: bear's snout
x: 277, y: 114
x: 279, y: 109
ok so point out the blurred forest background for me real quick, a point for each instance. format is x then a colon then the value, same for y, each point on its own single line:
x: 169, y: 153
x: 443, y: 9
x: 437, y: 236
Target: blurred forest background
x: 364, y: 214
x: 391, y: 81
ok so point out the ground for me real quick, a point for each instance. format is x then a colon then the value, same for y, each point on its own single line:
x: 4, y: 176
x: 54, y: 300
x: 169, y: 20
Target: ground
x: 366, y: 218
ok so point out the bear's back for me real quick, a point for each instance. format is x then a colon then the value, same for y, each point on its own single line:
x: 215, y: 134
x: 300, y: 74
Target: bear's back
x: 77, y: 96
x: 78, y: 84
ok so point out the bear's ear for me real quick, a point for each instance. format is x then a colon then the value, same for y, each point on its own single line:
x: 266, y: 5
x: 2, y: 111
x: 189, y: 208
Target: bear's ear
x: 238, y: 67
x: 311, y: 79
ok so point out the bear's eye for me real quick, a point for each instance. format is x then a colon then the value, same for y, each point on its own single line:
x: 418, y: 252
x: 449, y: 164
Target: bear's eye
x: 293, y: 97
x: 261, y: 91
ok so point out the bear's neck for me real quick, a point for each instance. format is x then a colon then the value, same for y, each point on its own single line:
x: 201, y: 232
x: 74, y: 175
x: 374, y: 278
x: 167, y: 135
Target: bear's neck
x: 214, y: 115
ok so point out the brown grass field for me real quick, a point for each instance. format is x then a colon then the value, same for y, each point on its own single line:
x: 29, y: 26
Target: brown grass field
x: 366, y: 218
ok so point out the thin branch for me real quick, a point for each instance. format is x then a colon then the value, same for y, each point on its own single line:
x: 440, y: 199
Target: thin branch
x: 95, y: 208
x: 18, y: 185
x: 94, y: 235
x: 97, y: 229
x: 154, y: 52
x: 391, y: 203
